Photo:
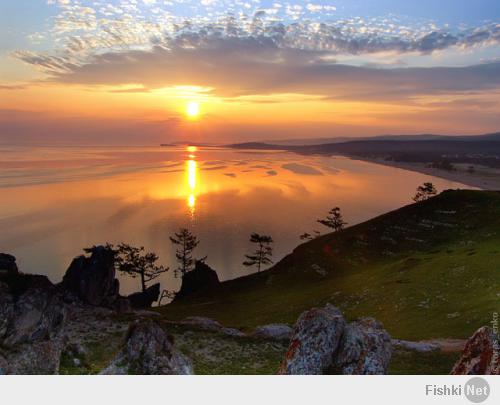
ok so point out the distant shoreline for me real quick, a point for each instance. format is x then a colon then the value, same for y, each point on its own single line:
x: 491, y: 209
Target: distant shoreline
x: 484, y: 178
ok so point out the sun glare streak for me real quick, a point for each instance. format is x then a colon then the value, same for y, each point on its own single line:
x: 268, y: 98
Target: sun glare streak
x: 192, y: 173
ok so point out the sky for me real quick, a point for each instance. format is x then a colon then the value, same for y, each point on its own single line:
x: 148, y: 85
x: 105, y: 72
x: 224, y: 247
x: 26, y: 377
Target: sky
x: 133, y: 71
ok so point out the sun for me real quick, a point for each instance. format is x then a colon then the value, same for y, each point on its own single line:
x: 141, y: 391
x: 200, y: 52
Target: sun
x: 193, y: 109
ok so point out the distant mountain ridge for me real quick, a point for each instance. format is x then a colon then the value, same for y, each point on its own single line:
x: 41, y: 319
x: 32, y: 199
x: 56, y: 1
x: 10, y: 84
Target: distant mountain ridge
x: 495, y: 136
x: 434, y: 149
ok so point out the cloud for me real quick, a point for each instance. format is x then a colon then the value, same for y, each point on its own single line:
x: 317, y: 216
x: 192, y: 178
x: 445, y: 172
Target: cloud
x: 257, y: 66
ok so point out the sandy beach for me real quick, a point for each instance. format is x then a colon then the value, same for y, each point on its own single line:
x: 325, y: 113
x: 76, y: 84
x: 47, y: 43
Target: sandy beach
x: 485, y: 178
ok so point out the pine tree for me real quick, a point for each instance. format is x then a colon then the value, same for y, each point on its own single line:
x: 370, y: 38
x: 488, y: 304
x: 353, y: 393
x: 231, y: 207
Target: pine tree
x: 261, y: 256
x: 424, y: 192
x: 186, y: 243
x: 334, y: 220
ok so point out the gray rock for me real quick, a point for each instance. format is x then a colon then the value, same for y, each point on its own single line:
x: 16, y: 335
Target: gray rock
x: 365, y: 348
x: 422, y: 347
x: 35, y: 358
x: 149, y: 350
x: 92, y: 279
x: 32, y: 321
x: 37, y: 314
x: 315, y: 339
x: 212, y: 325
x: 276, y: 331
x: 6, y: 309
x: 481, y: 354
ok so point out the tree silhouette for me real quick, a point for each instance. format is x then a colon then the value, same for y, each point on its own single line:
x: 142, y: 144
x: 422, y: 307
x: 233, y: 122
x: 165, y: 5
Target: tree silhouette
x: 308, y: 236
x: 333, y: 220
x: 135, y: 262
x: 424, y: 192
x: 186, y: 243
x: 262, y: 255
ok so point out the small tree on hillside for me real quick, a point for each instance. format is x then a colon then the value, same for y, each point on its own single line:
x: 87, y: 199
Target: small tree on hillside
x: 333, y: 220
x: 424, y: 192
x: 186, y: 243
x: 262, y: 256
x: 308, y: 236
x: 135, y: 262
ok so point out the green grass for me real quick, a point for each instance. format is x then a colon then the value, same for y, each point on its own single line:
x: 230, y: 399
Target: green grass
x: 218, y: 354
x: 98, y: 355
x: 413, y: 363
x: 427, y: 270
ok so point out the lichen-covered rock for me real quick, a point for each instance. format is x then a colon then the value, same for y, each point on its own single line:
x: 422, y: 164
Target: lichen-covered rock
x: 37, y: 313
x: 35, y: 358
x: 365, y: 348
x: 149, y: 350
x: 8, y: 265
x: 92, y: 279
x: 31, y: 325
x: 6, y: 308
x: 315, y: 339
x: 481, y: 354
x: 276, y: 331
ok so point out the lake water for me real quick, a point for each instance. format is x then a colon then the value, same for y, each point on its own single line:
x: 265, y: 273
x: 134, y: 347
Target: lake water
x: 55, y: 201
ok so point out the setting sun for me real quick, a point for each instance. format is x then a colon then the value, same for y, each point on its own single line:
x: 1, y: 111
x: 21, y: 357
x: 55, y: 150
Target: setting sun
x: 193, y: 109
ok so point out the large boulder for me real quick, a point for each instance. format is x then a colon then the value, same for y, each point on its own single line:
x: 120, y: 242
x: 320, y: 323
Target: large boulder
x: 8, y: 265
x: 149, y: 350
x: 31, y: 324
x: 202, y: 277
x: 274, y: 331
x: 315, y: 339
x: 481, y: 354
x: 36, y: 311
x: 6, y: 308
x: 365, y: 348
x: 92, y: 279
x: 145, y: 299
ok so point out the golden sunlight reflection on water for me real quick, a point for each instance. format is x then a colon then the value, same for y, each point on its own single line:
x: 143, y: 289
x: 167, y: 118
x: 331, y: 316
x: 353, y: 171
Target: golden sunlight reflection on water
x: 192, y: 173
x: 56, y: 201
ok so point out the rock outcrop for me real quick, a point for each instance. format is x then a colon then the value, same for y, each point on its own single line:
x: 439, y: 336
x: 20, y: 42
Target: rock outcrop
x: 149, y: 350
x: 323, y: 343
x: 92, y: 279
x: 365, y: 348
x: 145, y: 299
x: 37, y: 311
x: 481, y: 354
x: 8, y: 265
x: 32, y: 317
x: 202, y: 277
x: 274, y: 331
x: 315, y: 339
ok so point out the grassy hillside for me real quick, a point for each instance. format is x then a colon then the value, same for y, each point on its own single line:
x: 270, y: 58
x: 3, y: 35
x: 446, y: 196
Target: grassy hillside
x: 427, y: 270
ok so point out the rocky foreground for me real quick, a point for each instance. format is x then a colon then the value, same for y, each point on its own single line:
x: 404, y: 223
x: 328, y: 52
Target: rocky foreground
x: 84, y: 326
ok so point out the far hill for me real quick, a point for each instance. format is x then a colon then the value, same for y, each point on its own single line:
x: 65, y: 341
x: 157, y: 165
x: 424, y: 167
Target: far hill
x: 417, y: 137
x: 427, y: 270
x: 439, y: 151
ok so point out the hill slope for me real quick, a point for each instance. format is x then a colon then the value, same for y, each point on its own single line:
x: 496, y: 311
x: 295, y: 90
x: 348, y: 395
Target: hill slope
x: 427, y: 270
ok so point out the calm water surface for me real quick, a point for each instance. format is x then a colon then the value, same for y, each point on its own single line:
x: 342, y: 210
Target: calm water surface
x: 55, y: 201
